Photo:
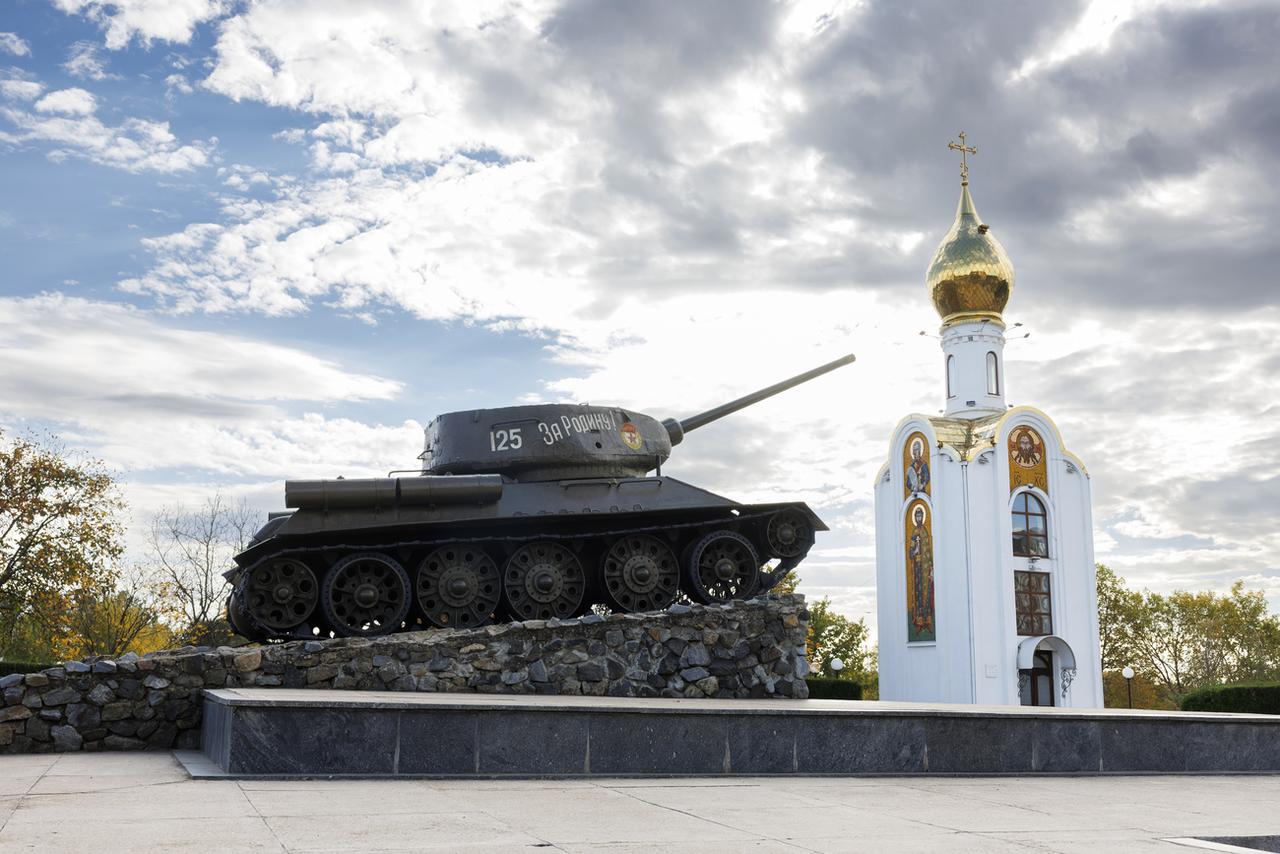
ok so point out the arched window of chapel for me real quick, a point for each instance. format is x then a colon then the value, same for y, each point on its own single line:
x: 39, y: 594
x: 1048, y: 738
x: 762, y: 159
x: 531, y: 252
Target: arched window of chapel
x: 1030, y: 526
x: 951, y: 376
x: 993, y: 374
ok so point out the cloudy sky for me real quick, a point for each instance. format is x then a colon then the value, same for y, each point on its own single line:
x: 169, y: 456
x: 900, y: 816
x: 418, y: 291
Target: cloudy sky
x: 245, y: 241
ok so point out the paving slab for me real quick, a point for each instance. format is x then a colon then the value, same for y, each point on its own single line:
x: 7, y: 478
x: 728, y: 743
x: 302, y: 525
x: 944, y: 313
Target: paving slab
x: 118, y: 803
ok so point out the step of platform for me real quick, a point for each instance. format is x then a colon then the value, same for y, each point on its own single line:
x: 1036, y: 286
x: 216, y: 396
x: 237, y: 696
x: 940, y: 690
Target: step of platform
x: 313, y: 733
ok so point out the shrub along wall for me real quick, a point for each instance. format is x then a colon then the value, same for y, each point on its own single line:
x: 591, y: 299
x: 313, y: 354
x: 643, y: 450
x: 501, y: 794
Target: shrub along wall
x: 1258, y: 698
x: 824, y: 688
x: 741, y: 649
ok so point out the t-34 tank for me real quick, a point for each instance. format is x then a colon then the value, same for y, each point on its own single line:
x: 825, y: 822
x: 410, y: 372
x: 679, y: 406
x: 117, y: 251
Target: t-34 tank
x: 523, y: 512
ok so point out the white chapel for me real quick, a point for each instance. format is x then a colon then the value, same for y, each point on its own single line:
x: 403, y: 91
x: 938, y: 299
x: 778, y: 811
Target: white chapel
x: 984, y: 529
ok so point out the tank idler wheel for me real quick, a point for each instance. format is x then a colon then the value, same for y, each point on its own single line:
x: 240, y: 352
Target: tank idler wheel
x: 458, y: 587
x: 641, y: 573
x: 789, y: 534
x: 723, y: 565
x: 235, y: 619
x: 281, y: 594
x: 365, y: 594
x: 542, y: 580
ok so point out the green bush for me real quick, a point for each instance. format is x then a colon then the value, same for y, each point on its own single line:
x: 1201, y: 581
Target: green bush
x: 821, y: 688
x: 7, y: 667
x: 1262, y: 698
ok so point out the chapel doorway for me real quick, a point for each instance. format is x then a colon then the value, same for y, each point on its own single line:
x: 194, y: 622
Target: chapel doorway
x: 1036, y: 684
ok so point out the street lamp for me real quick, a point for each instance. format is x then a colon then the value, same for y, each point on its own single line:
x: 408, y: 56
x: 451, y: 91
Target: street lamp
x: 1127, y: 673
x: 837, y: 665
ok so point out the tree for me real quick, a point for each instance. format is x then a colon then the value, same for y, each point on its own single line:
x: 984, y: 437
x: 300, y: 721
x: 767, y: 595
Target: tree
x: 60, y: 532
x: 833, y: 635
x: 113, y: 619
x: 191, y: 549
x: 1185, y: 640
x: 1119, y: 610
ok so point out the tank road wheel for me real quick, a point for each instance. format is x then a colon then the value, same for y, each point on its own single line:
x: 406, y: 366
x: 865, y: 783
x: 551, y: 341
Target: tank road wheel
x: 641, y: 573
x: 365, y: 594
x: 458, y: 587
x: 789, y: 534
x: 721, y: 566
x: 281, y: 594
x: 543, y: 580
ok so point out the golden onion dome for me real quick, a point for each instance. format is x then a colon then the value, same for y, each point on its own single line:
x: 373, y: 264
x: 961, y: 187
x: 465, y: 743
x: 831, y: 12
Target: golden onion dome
x: 971, y: 275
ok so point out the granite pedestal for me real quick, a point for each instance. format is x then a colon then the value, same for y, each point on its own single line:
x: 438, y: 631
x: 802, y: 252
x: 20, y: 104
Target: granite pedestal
x: 318, y: 733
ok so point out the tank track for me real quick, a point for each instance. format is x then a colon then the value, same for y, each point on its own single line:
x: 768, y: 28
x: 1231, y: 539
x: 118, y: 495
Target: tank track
x: 303, y: 592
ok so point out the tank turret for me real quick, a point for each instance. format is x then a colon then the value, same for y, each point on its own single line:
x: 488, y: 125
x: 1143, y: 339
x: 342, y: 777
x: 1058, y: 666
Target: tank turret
x: 553, y: 441
x: 521, y: 512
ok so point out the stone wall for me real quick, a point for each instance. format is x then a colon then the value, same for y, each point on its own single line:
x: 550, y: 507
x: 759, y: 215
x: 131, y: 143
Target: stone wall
x: 741, y: 649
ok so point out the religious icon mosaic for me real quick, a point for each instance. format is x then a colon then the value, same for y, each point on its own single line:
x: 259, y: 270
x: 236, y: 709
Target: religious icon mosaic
x: 1027, y: 465
x: 915, y: 466
x: 920, y: 612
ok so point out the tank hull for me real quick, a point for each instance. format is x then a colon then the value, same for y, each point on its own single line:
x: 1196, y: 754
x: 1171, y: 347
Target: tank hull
x: 525, y: 551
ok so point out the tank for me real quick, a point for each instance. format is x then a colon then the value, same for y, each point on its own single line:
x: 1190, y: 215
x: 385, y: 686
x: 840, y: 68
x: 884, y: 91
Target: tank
x: 517, y: 513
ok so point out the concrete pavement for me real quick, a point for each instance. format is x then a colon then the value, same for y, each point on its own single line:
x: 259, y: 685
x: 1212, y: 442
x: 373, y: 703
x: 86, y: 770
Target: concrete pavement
x: 145, y: 802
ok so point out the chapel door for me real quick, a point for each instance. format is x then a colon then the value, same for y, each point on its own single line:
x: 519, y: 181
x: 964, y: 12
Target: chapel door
x: 1042, y: 679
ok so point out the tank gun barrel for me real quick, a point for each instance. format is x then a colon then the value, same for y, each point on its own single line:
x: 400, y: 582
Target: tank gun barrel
x: 677, y: 429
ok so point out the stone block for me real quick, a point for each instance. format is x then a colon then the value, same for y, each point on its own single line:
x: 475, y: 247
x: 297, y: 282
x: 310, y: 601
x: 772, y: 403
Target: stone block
x: 15, y: 713
x: 590, y: 672
x: 532, y: 743
x: 644, y: 744
x: 100, y: 695
x: 120, y: 742
x: 65, y: 738
x: 248, y: 661
x: 117, y: 711
x: 83, y: 715
x: 37, y: 729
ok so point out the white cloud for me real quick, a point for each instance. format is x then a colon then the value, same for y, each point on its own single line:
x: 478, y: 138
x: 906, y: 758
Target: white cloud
x: 83, y: 61
x: 1094, y: 30
x: 176, y: 84
x: 20, y: 90
x: 12, y: 43
x: 64, y: 119
x: 147, y: 20
x: 147, y: 396
x: 71, y: 102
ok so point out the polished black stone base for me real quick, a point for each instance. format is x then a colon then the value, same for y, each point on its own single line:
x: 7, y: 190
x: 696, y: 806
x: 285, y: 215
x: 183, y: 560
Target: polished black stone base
x: 285, y: 733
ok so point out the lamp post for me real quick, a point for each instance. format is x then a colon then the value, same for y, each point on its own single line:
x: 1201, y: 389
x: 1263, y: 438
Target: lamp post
x: 837, y: 665
x: 1127, y: 673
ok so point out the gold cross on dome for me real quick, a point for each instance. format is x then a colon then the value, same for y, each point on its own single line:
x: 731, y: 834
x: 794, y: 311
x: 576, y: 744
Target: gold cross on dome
x: 965, y: 151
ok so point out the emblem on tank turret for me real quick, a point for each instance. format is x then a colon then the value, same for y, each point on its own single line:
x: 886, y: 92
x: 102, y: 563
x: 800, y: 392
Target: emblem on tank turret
x: 631, y: 436
x: 523, y: 512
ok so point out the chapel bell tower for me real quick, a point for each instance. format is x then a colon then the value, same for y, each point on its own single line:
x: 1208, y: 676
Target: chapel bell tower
x: 984, y: 532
